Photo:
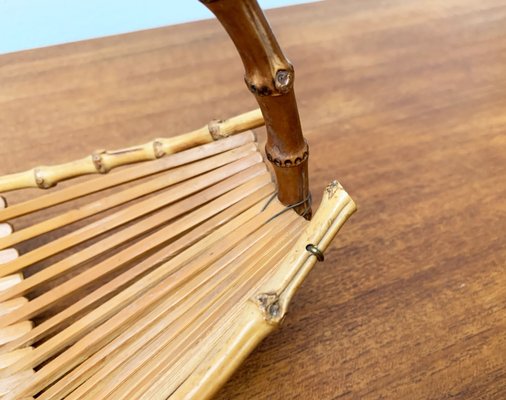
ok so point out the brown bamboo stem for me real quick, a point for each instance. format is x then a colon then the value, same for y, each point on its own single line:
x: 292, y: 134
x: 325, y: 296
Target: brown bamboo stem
x: 270, y: 77
x: 102, y: 161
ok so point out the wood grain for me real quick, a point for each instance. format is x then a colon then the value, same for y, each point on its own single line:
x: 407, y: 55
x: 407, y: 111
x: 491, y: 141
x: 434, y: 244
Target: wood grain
x: 404, y: 102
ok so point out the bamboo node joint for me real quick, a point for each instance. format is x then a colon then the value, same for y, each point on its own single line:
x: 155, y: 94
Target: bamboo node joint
x: 284, y: 80
x: 96, y: 158
x: 40, y: 181
x: 270, y: 307
x: 292, y: 160
x: 215, y: 130
x: 158, y: 149
x: 332, y: 188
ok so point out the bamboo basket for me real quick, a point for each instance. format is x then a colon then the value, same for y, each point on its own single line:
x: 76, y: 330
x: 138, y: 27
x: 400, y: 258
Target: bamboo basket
x: 156, y: 280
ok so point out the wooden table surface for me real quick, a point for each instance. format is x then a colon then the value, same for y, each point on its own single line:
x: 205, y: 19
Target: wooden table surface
x: 403, y: 101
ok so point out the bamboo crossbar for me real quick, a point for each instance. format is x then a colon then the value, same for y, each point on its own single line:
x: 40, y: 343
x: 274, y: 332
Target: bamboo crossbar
x: 103, y: 161
x: 172, y: 177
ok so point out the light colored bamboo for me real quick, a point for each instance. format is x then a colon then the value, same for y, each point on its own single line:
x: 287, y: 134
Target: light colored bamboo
x: 168, y: 179
x: 134, y: 211
x: 102, y: 161
x: 267, y: 308
x: 133, y: 251
x: 162, y: 328
x: 241, y: 185
x: 52, y: 198
x: 11, y: 333
x: 189, y: 312
x: 254, y: 201
x: 120, y: 310
x: 170, y: 358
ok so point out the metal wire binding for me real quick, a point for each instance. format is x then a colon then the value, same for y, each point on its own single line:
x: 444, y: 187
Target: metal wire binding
x: 269, y: 201
x: 308, y: 199
x: 315, y: 251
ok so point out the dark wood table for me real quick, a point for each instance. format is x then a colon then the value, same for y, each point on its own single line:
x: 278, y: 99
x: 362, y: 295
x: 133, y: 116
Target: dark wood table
x: 404, y: 101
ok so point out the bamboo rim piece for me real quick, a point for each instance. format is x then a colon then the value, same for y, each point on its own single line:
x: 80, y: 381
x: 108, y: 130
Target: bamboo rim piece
x: 102, y: 161
x: 265, y: 311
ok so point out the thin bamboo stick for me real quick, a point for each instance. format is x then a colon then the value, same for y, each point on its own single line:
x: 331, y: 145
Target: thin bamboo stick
x: 167, y: 353
x: 10, y: 333
x: 214, y: 206
x: 171, y: 178
x: 254, y: 201
x: 123, y: 357
x: 135, y: 250
x: 132, y: 212
x: 103, y: 161
x: 166, y: 278
x: 265, y: 311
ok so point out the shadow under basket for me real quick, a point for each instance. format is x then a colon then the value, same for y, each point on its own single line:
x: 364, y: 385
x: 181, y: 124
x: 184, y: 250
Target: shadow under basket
x: 156, y: 280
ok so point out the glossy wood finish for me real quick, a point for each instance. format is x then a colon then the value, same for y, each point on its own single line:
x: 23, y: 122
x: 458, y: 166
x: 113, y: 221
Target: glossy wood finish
x: 404, y: 102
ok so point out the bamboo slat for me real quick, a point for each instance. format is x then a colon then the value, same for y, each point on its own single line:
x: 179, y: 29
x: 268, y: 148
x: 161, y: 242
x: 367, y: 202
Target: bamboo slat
x: 134, y: 348
x: 174, y: 355
x: 120, y: 310
x: 171, y: 178
x: 57, y: 293
x: 134, y: 211
x: 11, y: 333
x: 122, y: 176
x: 266, y: 309
x: 147, y: 224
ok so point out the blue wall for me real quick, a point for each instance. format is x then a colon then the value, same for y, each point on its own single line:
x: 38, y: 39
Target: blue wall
x: 26, y: 24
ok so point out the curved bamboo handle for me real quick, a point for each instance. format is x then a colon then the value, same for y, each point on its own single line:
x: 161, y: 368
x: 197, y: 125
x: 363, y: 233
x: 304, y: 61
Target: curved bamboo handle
x: 270, y: 76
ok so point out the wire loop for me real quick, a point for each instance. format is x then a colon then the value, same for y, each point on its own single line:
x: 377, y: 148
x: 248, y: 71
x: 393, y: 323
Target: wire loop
x: 315, y: 251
